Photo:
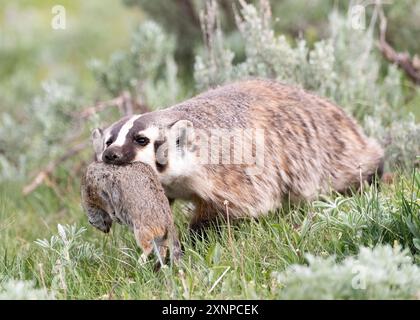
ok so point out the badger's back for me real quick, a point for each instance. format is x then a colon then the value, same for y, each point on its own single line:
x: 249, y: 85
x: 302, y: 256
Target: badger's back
x: 311, y: 145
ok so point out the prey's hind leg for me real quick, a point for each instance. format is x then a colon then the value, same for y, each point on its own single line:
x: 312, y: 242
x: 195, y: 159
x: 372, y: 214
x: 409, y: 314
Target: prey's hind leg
x: 144, y: 240
x: 152, y: 241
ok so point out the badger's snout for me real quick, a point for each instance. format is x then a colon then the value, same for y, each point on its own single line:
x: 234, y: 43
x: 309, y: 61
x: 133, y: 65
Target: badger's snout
x: 113, y: 156
x: 118, y: 155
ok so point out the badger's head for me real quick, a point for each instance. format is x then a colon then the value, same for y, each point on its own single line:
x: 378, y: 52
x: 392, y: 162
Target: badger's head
x: 148, y: 138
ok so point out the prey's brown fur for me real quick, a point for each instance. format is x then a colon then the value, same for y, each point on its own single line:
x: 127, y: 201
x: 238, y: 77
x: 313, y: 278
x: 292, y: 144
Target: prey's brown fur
x: 130, y: 195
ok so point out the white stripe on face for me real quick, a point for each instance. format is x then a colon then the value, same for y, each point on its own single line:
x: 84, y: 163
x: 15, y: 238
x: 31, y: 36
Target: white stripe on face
x: 147, y: 153
x: 122, y: 135
x: 106, y: 135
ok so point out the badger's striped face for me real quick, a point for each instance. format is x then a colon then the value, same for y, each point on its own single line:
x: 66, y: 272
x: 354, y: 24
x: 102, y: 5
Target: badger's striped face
x: 150, y: 139
x: 128, y: 140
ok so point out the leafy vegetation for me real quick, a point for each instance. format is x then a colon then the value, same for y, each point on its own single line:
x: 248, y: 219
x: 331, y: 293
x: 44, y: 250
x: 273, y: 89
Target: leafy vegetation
x: 265, y: 258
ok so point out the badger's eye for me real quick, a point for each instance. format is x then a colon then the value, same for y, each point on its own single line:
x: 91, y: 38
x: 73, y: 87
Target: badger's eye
x: 109, y: 142
x: 141, y: 140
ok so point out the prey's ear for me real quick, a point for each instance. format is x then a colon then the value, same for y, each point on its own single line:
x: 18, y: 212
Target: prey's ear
x: 182, y: 134
x: 97, y: 142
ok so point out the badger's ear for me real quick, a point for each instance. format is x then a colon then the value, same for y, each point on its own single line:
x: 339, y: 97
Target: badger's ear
x: 97, y: 142
x: 182, y: 133
x: 96, y: 134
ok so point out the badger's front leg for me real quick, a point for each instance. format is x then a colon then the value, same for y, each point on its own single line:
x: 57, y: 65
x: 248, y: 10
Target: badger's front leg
x: 204, y: 217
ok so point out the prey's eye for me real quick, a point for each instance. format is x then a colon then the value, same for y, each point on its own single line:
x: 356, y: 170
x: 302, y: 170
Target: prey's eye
x: 109, y: 142
x: 141, y: 140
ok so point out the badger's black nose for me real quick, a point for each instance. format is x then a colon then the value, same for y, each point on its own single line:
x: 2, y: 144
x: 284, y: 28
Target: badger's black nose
x: 111, y: 156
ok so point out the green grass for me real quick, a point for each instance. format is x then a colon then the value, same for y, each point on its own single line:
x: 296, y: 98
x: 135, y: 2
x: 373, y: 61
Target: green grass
x: 92, y: 265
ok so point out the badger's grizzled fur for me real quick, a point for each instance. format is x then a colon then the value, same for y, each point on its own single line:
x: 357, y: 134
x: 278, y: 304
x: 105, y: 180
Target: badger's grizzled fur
x: 130, y: 195
x: 311, y: 146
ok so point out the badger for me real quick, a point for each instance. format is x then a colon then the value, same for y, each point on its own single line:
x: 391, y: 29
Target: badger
x: 298, y: 146
x: 131, y: 195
